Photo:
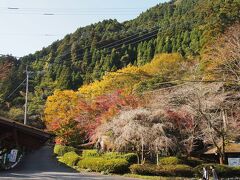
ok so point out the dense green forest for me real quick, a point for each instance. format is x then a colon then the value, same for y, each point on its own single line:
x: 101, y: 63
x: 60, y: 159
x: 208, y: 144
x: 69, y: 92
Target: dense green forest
x: 183, y: 26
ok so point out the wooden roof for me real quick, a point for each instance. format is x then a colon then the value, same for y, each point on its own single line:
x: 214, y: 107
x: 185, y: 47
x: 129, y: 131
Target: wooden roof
x: 28, y: 136
x: 229, y: 148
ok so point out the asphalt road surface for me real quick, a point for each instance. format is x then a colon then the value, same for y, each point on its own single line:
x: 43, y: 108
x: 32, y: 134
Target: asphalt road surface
x: 41, y: 165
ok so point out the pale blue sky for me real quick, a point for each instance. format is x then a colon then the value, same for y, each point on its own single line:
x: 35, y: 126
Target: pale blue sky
x: 26, y: 29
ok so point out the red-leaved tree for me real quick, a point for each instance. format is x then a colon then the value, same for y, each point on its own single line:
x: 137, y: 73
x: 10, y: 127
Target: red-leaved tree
x: 102, y: 109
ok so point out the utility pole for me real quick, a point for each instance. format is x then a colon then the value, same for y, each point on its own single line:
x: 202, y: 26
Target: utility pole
x: 26, y: 96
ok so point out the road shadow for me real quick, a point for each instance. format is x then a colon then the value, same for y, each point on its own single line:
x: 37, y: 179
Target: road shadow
x: 41, y: 160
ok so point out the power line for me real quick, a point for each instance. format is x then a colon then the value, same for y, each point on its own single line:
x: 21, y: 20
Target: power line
x: 110, y: 45
x: 16, y: 88
x: 37, y: 35
x: 184, y: 82
x: 128, y: 42
x: 103, y: 46
x: 74, y: 9
x: 71, y: 11
x: 70, y: 14
x: 125, y: 40
x: 131, y: 41
x: 116, y: 42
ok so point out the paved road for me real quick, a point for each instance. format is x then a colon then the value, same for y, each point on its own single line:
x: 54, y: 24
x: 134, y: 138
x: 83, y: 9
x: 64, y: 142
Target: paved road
x: 41, y: 165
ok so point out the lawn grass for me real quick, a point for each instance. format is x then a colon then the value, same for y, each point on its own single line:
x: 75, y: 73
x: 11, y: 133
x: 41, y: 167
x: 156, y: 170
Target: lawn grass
x: 154, y: 177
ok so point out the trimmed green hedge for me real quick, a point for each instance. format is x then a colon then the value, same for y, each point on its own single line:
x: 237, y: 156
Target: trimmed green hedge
x: 71, y: 159
x: 170, y: 161
x: 90, y: 153
x: 163, y: 170
x: 192, y: 161
x: 130, y: 157
x: 221, y: 170
x: 107, y: 165
x: 60, y: 150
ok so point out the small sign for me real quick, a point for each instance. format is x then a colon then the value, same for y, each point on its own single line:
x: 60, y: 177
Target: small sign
x: 1, y: 157
x: 234, y: 161
x: 12, y: 157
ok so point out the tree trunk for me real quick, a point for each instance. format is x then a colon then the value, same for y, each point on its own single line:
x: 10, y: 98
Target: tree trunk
x: 221, y: 158
x: 222, y: 153
x: 142, y: 158
x: 138, y: 158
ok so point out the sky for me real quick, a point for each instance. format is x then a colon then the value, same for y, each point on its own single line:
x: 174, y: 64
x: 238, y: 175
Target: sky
x: 30, y: 25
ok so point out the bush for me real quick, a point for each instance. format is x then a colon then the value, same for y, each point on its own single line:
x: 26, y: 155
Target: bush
x: 60, y: 150
x: 192, y: 161
x: 163, y: 170
x: 90, y: 153
x: 106, y: 165
x: 112, y: 155
x: 221, y: 170
x: 130, y: 157
x: 145, y: 169
x: 170, y: 161
x: 71, y: 159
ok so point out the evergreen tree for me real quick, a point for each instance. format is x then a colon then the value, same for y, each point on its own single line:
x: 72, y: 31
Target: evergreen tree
x: 64, y: 81
x: 86, y: 60
x: 168, y: 46
x: 74, y: 52
x: 186, y: 42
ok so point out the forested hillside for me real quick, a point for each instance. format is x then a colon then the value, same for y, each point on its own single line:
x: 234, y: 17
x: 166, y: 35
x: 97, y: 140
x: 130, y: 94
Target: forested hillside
x: 183, y: 26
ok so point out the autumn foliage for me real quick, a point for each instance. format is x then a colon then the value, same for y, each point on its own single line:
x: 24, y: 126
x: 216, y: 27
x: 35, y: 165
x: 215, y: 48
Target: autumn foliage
x: 75, y: 119
x: 127, y: 78
x: 103, y: 108
x: 5, y: 69
x: 74, y: 114
x: 60, y: 112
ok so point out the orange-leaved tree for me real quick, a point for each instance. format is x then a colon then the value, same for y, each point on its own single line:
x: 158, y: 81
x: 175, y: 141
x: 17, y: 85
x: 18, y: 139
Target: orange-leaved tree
x: 60, y: 112
x: 74, y: 119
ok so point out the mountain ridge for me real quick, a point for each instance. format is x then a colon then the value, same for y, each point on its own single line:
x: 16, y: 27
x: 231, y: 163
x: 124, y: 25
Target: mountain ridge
x: 185, y: 26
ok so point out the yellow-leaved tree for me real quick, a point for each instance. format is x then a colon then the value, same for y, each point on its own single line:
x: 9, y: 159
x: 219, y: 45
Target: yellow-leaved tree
x: 125, y: 79
x: 60, y: 112
x: 165, y: 65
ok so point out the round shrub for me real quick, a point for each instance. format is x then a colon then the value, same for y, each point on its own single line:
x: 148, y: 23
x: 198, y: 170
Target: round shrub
x: 221, y: 170
x: 178, y: 170
x: 170, y: 161
x: 131, y: 158
x: 71, y: 159
x: 104, y: 165
x: 146, y: 169
x: 60, y: 150
x: 192, y: 161
x: 90, y: 153
x: 163, y: 170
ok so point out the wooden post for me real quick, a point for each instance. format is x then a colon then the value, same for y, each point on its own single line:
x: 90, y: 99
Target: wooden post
x: 16, y: 139
x: 142, y: 149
